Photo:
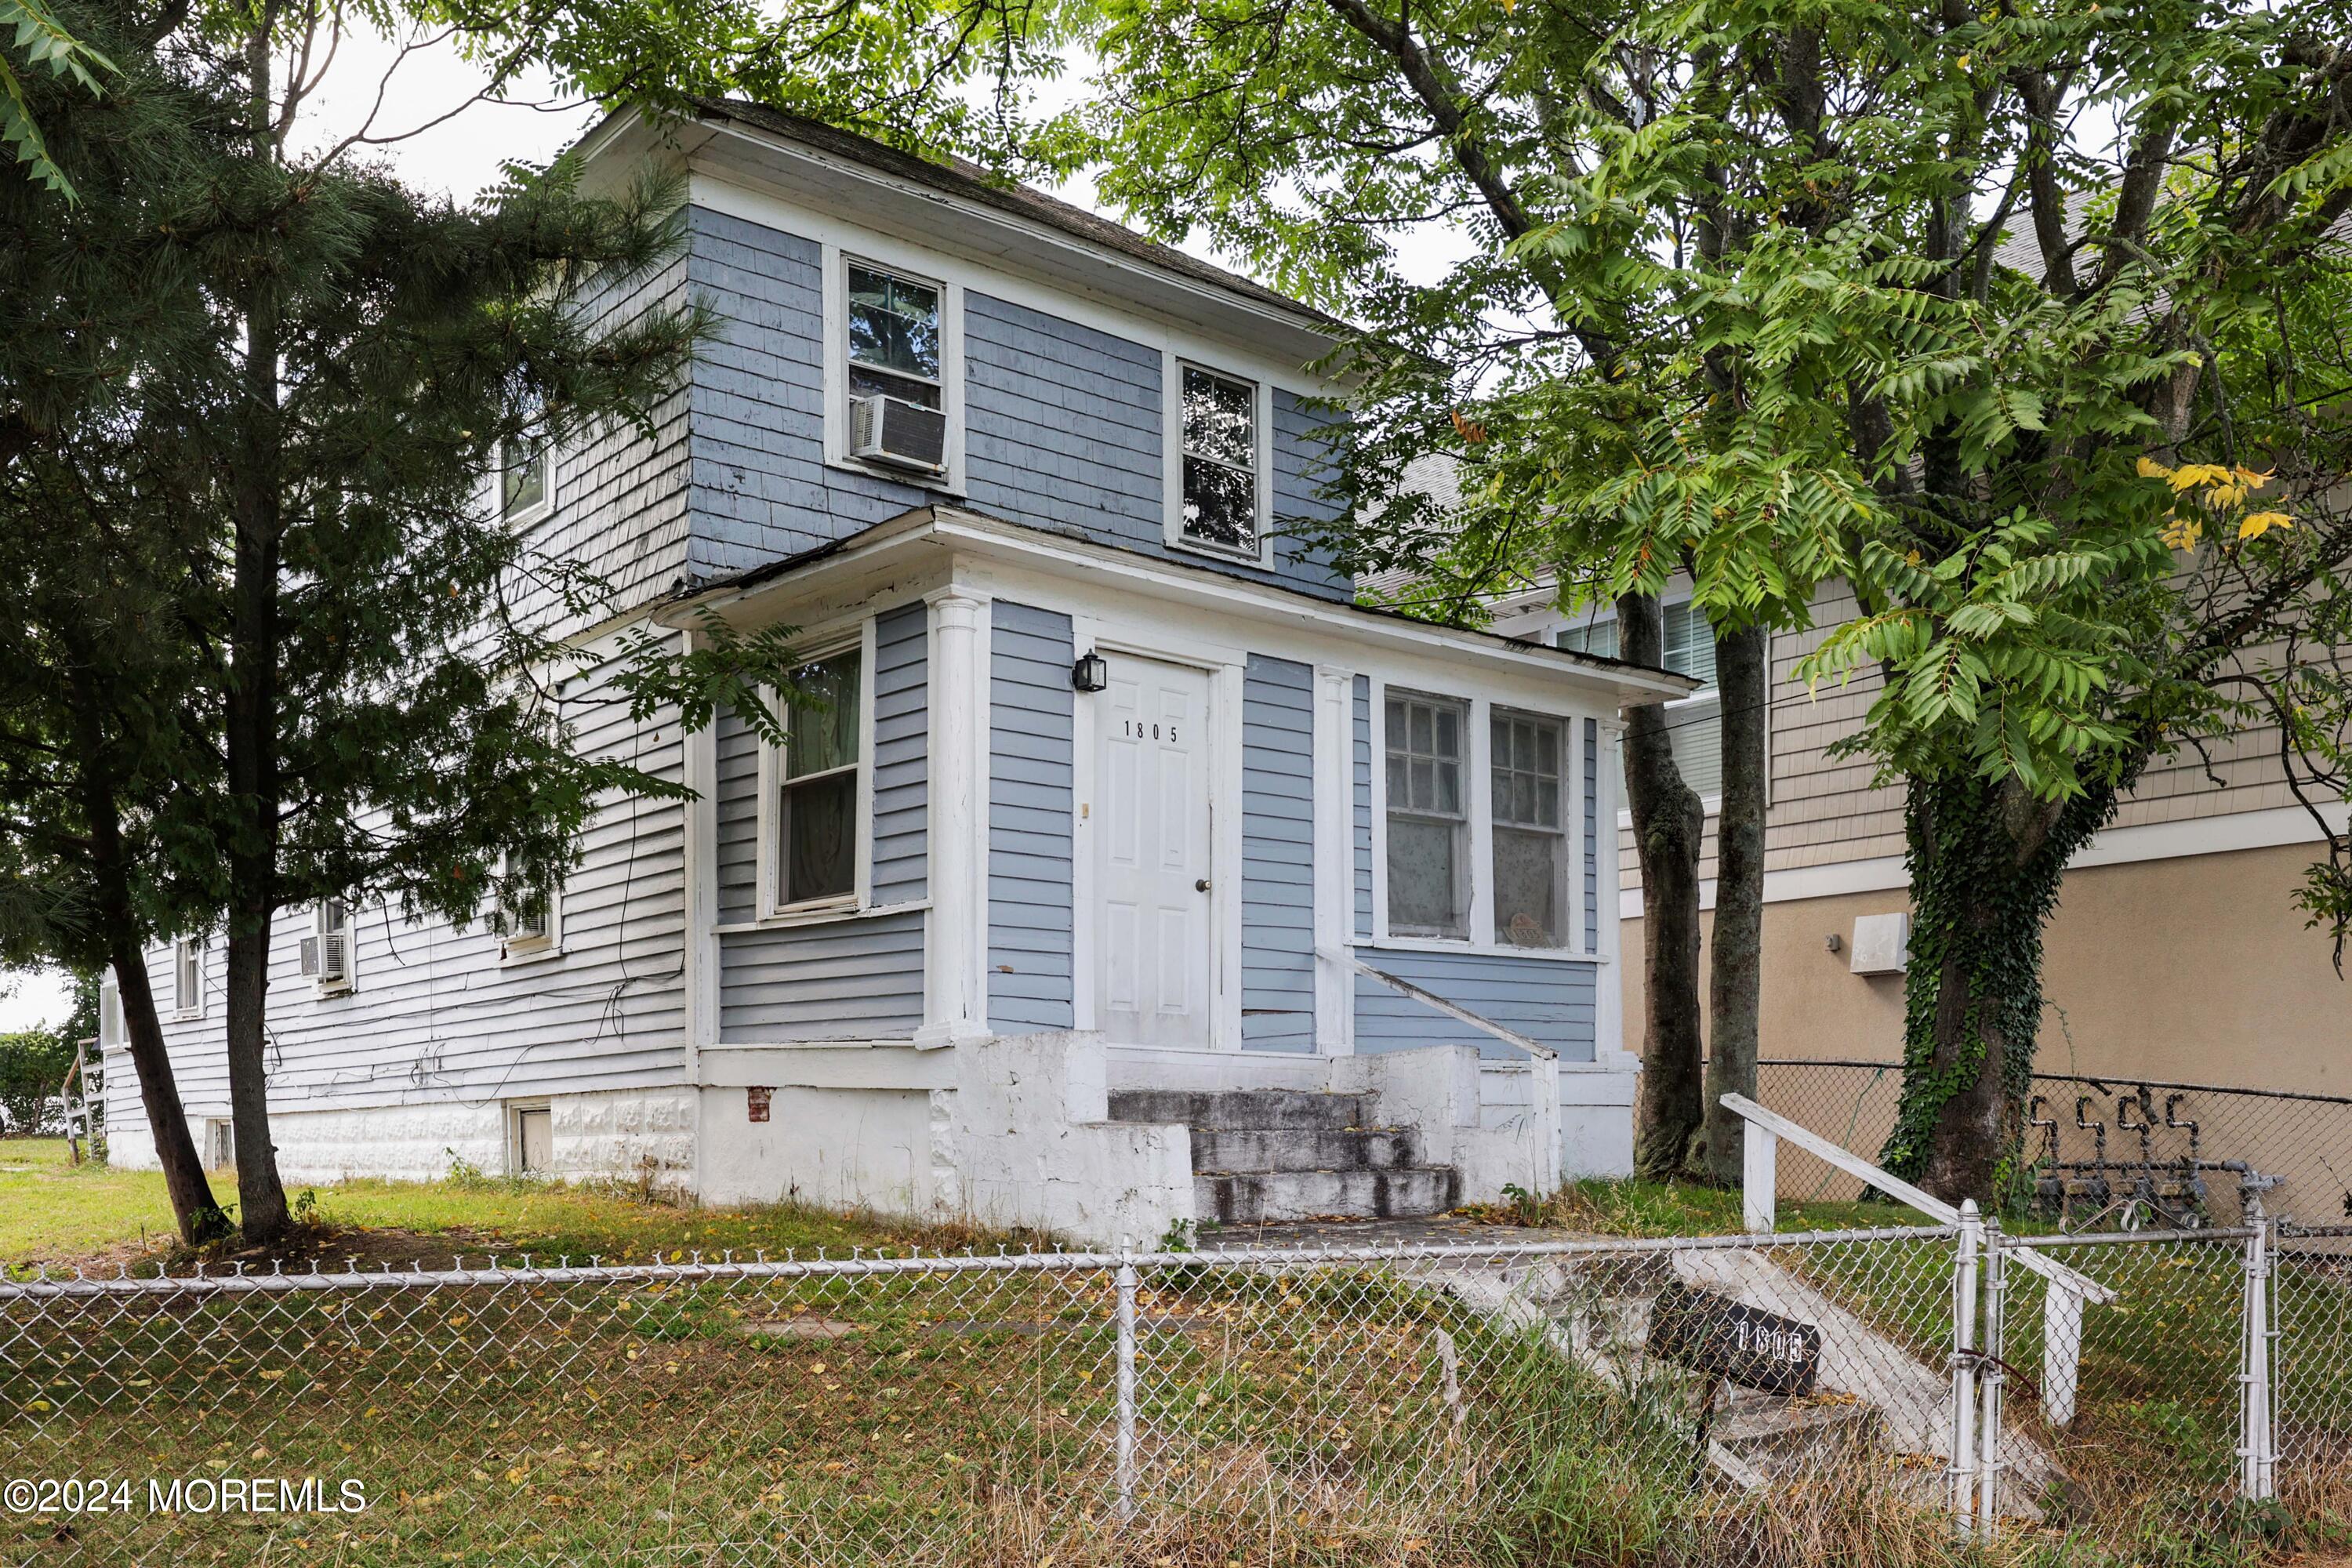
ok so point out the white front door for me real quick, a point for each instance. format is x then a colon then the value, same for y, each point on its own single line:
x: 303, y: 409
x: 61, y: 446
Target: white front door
x: 1152, y: 860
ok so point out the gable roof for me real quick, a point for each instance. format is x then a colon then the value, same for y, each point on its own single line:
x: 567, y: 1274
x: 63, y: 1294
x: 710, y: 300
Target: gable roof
x: 967, y: 181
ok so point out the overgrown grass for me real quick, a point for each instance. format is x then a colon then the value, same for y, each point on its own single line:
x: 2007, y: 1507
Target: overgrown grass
x: 1609, y: 1206
x: 57, y: 1214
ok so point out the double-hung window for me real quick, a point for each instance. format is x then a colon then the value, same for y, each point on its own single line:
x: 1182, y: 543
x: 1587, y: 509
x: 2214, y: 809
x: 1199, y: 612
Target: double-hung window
x: 1220, y: 438
x: 817, y: 807
x: 525, y: 473
x: 1694, y: 723
x: 1526, y: 757
x: 188, y: 977
x: 894, y: 337
x: 1428, y: 819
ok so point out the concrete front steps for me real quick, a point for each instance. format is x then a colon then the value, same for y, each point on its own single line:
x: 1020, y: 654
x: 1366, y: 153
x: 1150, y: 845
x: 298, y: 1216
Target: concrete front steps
x: 1267, y: 1155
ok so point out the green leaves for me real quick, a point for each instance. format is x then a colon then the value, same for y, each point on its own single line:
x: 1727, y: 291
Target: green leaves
x: 42, y: 42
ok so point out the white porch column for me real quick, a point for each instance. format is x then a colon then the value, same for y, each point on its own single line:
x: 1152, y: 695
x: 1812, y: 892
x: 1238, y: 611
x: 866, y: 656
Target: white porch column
x: 1335, y: 860
x: 956, y: 952
x: 1609, y: 977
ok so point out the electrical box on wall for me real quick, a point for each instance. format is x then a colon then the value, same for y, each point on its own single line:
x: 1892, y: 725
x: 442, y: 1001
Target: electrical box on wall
x: 1881, y: 944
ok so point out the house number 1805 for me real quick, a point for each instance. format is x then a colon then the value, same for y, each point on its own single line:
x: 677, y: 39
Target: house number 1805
x: 1138, y: 729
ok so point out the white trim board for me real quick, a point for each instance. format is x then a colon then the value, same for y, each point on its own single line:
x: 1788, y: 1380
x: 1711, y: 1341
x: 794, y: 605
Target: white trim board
x: 2224, y: 835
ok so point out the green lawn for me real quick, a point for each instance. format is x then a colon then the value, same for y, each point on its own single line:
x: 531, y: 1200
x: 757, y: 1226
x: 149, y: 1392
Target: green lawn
x: 55, y: 1214
x: 1599, y: 1206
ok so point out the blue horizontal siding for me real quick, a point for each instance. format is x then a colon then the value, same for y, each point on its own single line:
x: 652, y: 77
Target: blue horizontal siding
x: 1277, y: 855
x: 1030, y: 708
x: 1548, y: 1000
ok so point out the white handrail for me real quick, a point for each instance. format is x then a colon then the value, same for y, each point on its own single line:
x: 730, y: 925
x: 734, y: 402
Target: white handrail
x: 1452, y: 1010
x: 1854, y: 1165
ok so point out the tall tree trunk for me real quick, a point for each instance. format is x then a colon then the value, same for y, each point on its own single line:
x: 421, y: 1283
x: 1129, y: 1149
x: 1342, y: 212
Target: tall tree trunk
x: 1736, y: 952
x: 255, y: 786
x: 1668, y: 827
x: 193, y: 1208
x: 1986, y: 862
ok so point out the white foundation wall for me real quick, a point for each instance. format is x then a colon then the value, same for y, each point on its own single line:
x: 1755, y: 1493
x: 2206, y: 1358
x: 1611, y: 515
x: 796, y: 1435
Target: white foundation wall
x: 1596, y: 1115
x: 1006, y: 1130
x: 835, y: 1147
x: 633, y: 1135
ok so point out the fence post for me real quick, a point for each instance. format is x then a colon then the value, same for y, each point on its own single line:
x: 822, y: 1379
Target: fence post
x: 1991, y: 1376
x: 1126, y: 1449
x: 1759, y: 1178
x: 1962, y: 1474
x: 2062, y: 1352
x: 2257, y: 1453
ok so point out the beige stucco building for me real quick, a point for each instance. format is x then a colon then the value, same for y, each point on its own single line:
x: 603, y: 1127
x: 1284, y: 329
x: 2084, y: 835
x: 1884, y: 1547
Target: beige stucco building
x: 2177, y: 953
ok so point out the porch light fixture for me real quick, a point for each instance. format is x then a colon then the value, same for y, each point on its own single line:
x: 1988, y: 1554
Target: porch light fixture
x: 1090, y: 673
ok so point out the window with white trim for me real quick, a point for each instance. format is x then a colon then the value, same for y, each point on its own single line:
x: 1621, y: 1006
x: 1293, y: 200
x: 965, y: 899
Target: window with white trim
x: 326, y: 954
x: 1220, y: 445
x: 526, y: 474
x: 1428, y: 817
x: 188, y: 977
x: 817, y: 784
x: 1526, y: 762
x: 894, y: 340
x: 1694, y: 723
x: 529, y: 920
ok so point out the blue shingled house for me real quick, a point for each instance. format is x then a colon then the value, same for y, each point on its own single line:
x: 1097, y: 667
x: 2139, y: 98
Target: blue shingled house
x: 1135, y: 874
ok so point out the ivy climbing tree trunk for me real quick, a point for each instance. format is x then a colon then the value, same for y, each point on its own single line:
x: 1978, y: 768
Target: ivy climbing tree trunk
x: 1736, y: 951
x: 1986, y: 861
x: 1668, y: 827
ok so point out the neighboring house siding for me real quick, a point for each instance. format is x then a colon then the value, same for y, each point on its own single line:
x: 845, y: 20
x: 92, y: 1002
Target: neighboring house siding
x: 1362, y: 790
x: 433, y: 1019
x: 1825, y: 810
x: 1277, y: 856
x: 854, y: 979
x: 1030, y: 711
x: 901, y: 754
x: 1548, y: 1000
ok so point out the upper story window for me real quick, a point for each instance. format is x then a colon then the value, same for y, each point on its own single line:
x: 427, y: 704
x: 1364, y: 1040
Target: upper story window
x: 894, y: 337
x: 530, y: 925
x: 188, y: 977
x: 816, y: 806
x: 1428, y: 817
x: 1526, y: 757
x: 526, y: 474
x: 1221, y: 442
x: 893, y: 370
x: 1695, y: 728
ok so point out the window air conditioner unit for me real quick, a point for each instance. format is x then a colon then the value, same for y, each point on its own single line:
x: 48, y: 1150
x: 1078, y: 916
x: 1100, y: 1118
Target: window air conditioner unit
x: 322, y: 956
x: 905, y: 435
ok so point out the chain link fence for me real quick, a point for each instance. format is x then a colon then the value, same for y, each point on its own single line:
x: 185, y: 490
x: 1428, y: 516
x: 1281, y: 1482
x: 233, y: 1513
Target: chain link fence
x: 1833, y: 1397
x: 2104, y: 1153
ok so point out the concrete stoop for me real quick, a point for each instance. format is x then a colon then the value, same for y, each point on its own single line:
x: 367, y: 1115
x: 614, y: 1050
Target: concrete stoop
x: 1272, y: 1155
x: 1873, y: 1400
